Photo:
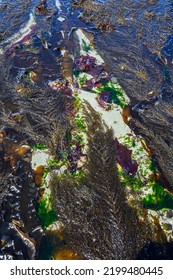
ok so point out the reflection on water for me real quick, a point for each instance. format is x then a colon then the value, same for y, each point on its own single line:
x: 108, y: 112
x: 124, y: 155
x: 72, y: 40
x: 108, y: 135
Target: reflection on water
x: 33, y: 38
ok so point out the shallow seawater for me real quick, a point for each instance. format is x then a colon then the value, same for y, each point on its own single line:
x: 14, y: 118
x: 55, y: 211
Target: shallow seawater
x: 60, y: 100
x: 34, y: 39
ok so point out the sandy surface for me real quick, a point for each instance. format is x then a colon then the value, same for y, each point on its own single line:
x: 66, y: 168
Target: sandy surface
x: 39, y: 157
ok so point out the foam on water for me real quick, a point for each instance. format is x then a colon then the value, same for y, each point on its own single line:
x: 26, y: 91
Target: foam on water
x: 23, y: 31
x: 58, y: 5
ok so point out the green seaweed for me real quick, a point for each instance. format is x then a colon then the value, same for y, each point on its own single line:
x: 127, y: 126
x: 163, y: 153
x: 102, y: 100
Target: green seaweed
x: 47, y: 216
x: 153, y: 166
x: 53, y: 162
x: 62, y: 154
x: 78, y: 102
x: 82, y: 80
x: 46, y: 250
x: 80, y: 174
x: 38, y: 146
x: 128, y: 141
x: 159, y: 199
x: 76, y: 73
x: 79, y: 138
x: 129, y: 181
x: 85, y: 46
x: 80, y: 124
x: 116, y: 93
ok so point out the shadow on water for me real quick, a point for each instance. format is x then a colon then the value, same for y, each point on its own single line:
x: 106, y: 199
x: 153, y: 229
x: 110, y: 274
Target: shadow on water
x: 156, y: 251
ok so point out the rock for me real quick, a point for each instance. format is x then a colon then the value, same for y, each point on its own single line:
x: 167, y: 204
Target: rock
x: 152, y: 113
x: 169, y: 214
x: 167, y: 226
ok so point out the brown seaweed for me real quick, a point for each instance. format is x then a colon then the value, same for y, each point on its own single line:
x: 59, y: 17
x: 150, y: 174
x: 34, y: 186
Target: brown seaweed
x: 98, y: 222
x: 67, y: 67
x: 39, y: 115
x: 20, y: 227
x: 138, y: 51
x: 25, y: 119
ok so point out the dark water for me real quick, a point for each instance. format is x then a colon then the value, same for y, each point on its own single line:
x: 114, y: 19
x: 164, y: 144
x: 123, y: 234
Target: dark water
x: 42, y: 52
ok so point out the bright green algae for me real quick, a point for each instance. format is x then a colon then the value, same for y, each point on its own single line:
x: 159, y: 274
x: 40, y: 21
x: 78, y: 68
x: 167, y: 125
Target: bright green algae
x: 47, y: 216
x: 158, y: 199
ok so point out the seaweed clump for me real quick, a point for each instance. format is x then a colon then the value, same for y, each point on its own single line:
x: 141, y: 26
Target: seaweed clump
x: 98, y: 222
x: 36, y: 117
x: 40, y: 115
x: 139, y: 53
x: 159, y: 198
x: 92, y: 12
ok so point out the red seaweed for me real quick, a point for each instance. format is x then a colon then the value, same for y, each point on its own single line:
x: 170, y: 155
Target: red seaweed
x: 88, y: 64
x: 125, y: 160
x: 105, y: 96
x: 89, y: 84
x: 74, y: 156
x: 85, y: 63
x: 103, y: 104
x: 96, y: 71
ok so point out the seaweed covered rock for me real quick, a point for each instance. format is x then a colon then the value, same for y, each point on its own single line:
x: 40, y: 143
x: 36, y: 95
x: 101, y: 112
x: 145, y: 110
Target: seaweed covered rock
x: 139, y: 54
x: 98, y: 222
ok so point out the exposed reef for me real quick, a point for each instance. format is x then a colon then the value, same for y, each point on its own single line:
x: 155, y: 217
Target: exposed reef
x: 85, y: 130
x: 107, y: 227
x: 138, y: 51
